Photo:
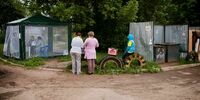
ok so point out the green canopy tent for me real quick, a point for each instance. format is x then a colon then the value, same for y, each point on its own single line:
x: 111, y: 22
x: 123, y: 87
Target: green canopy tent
x: 37, y: 36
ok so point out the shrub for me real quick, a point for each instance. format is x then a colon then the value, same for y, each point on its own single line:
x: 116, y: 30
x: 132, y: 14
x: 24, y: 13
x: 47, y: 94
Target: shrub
x: 152, y: 67
x: 192, y: 57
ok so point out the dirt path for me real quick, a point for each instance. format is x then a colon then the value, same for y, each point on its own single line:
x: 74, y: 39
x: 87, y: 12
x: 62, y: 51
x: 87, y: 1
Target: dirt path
x: 20, y: 84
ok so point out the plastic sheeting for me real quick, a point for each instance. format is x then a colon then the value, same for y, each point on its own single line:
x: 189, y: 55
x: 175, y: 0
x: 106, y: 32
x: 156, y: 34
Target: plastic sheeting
x: 35, y: 39
x: 46, y: 41
x: 39, y: 41
x: 177, y: 34
x: 60, y: 40
x: 11, y: 44
x: 159, y: 34
x: 143, y: 34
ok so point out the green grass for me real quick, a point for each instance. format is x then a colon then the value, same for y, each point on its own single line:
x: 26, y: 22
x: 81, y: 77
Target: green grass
x: 150, y: 67
x: 184, y: 61
x: 29, y: 63
x: 111, y: 68
x: 32, y: 62
x: 64, y: 58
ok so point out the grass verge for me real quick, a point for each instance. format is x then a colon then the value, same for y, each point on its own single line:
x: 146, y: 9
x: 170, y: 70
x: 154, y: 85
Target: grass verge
x: 28, y: 63
x: 149, y: 67
x: 184, y: 61
x: 64, y: 58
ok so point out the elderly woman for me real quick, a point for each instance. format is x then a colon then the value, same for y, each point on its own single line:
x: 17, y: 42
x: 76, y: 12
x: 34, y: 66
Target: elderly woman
x: 90, y: 44
x: 75, y: 52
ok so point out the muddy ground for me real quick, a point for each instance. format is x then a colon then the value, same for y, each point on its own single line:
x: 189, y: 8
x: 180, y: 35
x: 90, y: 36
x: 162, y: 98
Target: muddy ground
x: 19, y: 84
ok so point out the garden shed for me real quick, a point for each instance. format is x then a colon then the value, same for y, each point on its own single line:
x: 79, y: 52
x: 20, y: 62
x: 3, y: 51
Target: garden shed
x: 37, y: 36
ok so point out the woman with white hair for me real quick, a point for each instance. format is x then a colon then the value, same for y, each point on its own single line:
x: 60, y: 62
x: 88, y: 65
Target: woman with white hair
x: 90, y: 45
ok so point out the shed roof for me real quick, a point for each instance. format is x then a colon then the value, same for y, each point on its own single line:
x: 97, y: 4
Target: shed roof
x: 36, y: 20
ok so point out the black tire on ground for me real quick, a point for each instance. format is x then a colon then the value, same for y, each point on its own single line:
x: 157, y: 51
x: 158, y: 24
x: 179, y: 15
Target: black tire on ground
x: 114, y: 59
x: 129, y: 59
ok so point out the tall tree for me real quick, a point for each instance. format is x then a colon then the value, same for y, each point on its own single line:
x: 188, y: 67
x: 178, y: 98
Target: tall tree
x: 159, y: 11
x: 80, y: 11
x: 10, y: 10
x: 170, y: 11
x: 188, y: 12
x: 107, y: 17
x: 113, y: 18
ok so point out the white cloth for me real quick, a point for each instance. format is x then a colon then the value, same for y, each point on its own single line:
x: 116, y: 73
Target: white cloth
x: 197, y: 46
x: 77, y: 44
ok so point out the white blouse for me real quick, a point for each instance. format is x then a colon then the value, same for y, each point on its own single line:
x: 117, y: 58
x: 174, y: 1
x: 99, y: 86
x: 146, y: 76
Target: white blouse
x: 77, y: 44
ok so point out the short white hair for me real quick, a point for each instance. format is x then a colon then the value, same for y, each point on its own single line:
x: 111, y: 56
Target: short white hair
x: 91, y: 33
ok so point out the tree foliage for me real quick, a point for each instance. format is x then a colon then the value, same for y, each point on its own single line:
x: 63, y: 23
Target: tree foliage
x: 10, y: 10
x: 109, y: 19
x: 82, y: 16
x: 112, y: 20
x: 170, y: 11
x: 188, y: 12
x: 159, y: 11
